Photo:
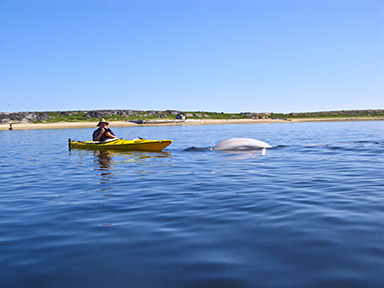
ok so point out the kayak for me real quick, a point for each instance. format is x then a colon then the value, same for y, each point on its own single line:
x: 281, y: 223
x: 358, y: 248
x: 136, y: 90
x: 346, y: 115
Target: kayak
x: 122, y: 144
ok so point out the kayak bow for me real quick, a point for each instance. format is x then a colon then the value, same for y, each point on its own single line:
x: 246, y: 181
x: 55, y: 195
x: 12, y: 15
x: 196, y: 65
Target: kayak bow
x: 122, y: 144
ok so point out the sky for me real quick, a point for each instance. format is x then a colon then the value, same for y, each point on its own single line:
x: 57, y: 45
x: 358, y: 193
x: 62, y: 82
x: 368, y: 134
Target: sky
x: 192, y: 55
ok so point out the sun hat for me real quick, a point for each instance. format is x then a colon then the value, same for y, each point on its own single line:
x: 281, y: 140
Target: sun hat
x: 102, y: 120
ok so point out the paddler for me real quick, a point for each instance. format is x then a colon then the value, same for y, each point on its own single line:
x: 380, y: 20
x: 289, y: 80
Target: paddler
x: 102, y: 133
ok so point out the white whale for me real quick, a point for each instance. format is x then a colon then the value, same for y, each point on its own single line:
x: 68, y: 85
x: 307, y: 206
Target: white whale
x: 241, y: 144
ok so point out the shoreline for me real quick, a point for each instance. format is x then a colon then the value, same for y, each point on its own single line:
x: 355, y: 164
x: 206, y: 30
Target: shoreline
x: 74, y: 125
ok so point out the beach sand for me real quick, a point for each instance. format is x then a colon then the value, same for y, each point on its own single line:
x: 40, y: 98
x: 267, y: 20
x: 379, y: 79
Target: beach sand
x: 72, y: 125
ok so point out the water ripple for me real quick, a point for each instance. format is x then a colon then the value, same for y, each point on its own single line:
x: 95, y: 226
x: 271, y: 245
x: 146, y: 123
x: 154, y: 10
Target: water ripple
x: 308, y: 213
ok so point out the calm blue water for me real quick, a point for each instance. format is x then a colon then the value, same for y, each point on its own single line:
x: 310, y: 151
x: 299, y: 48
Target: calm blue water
x: 309, y: 213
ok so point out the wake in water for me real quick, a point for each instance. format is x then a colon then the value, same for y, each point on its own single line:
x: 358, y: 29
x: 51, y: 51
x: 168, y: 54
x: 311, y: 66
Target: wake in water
x: 198, y: 149
x: 202, y: 149
x: 349, y: 146
x: 353, y: 146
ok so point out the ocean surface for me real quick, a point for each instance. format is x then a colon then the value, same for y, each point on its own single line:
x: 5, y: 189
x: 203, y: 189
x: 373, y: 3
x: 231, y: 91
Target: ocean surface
x: 308, y: 213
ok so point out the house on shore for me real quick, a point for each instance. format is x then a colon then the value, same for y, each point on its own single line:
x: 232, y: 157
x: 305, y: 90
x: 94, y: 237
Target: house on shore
x: 180, y: 116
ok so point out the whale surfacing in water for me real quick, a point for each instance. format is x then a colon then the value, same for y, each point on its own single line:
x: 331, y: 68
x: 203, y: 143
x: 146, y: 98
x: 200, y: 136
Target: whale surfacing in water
x: 241, y: 144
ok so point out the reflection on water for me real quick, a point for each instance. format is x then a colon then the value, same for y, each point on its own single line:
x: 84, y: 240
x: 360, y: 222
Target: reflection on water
x: 243, y: 154
x: 108, y: 162
x: 103, y: 159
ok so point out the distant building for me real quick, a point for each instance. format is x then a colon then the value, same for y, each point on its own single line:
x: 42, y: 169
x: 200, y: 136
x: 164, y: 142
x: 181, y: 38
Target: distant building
x: 180, y: 116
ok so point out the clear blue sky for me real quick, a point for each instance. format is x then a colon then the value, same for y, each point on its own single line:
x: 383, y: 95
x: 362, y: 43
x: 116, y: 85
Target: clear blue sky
x: 192, y: 55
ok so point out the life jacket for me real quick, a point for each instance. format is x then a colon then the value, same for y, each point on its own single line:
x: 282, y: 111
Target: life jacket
x: 104, y: 136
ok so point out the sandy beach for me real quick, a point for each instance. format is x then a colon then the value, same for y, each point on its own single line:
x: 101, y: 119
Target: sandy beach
x: 73, y: 125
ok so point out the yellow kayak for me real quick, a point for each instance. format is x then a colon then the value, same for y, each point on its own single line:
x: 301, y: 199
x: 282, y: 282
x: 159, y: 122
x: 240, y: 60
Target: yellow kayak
x: 122, y: 145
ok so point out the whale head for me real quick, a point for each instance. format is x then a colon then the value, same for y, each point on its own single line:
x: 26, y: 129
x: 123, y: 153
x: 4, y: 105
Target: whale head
x: 241, y: 144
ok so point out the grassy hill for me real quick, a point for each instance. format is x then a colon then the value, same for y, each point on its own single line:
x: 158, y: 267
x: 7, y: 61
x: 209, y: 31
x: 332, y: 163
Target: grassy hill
x: 130, y: 115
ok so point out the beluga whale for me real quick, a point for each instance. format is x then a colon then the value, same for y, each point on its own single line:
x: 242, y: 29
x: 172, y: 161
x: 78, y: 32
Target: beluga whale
x: 236, y: 144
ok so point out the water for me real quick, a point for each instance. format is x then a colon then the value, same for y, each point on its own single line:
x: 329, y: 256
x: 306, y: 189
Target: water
x: 309, y: 213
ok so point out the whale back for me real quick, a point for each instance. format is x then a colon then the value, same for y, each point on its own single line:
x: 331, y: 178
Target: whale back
x: 241, y: 144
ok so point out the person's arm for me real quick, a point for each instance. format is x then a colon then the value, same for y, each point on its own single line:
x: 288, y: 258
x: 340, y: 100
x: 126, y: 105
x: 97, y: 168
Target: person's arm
x: 101, y: 132
x: 110, y: 134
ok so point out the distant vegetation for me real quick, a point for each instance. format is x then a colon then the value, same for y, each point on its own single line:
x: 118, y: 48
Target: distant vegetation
x: 134, y: 115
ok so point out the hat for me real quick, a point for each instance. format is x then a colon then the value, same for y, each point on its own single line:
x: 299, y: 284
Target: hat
x: 102, y: 120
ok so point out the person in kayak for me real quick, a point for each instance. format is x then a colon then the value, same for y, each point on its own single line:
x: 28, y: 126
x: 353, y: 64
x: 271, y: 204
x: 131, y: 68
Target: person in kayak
x: 102, y: 133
